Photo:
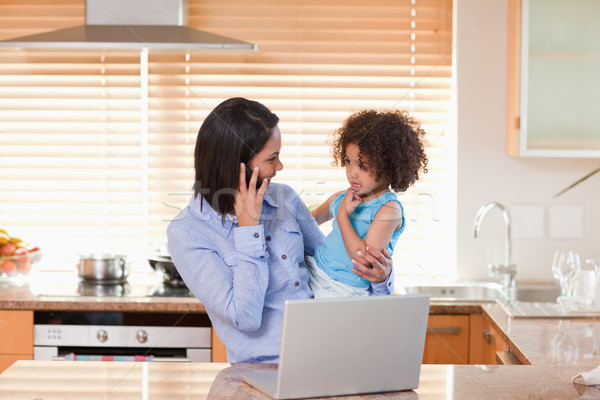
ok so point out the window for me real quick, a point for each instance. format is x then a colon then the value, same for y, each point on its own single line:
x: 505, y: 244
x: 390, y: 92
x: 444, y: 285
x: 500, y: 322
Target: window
x: 87, y: 161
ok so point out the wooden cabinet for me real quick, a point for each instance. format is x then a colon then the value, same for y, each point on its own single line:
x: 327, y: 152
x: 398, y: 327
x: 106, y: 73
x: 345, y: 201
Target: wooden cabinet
x: 447, y: 340
x: 484, y: 341
x: 463, y: 339
x: 219, y: 351
x: 553, y: 86
x: 16, y: 337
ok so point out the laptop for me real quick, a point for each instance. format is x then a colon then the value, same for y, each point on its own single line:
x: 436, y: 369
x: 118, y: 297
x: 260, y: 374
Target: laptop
x: 334, y: 347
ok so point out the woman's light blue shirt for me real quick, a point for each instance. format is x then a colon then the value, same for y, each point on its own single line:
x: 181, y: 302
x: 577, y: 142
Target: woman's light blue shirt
x: 243, y: 275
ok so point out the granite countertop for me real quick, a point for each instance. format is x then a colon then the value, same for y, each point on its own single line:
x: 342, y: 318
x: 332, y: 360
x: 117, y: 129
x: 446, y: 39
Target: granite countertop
x: 549, y: 342
x: 65, y: 380
x: 62, y: 291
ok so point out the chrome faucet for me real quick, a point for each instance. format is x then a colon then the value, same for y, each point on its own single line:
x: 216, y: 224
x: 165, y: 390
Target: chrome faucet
x: 507, y: 270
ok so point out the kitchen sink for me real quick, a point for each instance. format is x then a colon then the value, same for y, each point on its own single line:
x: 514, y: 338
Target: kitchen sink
x: 461, y: 291
x: 484, y: 291
x: 537, y: 293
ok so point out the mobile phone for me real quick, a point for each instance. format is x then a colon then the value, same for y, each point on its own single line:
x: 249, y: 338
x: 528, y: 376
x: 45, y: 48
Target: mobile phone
x: 249, y: 175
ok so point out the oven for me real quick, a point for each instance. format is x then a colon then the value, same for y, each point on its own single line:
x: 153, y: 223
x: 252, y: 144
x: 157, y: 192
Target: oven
x: 121, y: 336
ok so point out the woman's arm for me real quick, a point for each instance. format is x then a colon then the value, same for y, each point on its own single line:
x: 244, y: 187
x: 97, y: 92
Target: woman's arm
x: 233, y: 286
x: 322, y: 213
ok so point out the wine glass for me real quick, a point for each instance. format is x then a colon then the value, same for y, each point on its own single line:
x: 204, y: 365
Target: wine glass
x: 595, y: 264
x: 582, y: 288
x: 559, y: 265
x: 565, y: 349
x: 564, y: 266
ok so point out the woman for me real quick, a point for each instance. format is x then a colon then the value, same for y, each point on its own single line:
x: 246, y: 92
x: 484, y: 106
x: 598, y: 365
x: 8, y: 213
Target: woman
x: 239, y: 246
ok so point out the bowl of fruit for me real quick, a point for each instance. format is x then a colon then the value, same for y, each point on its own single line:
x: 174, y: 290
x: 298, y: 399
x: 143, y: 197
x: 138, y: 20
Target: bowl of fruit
x: 16, y: 256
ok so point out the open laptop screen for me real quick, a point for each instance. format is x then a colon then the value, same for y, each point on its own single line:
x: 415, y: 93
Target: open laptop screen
x: 351, y: 345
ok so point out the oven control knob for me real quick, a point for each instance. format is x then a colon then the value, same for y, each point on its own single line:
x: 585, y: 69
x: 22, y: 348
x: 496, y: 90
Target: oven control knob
x: 141, y: 336
x: 102, y: 336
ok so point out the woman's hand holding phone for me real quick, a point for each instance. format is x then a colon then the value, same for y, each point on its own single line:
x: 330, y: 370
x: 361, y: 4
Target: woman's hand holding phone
x: 249, y: 173
x: 249, y: 197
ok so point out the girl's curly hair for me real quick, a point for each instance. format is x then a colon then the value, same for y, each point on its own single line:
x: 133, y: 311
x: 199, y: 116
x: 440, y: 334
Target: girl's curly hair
x: 391, y: 143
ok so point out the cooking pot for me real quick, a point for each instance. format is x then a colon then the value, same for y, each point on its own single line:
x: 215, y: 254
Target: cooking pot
x: 103, y: 268
x: 165, y: 267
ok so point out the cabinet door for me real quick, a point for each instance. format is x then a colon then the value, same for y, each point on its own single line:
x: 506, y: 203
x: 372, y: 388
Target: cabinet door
x: 16, y: 337
x: 447, y: 340
x: 553, y: 81
x: 219, y: 351
x: 16, y: 332
x: 484, y: 341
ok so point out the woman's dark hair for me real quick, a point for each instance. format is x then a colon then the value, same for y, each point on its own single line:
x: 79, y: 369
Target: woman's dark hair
x: 234, y: 132
x: 392, y: 142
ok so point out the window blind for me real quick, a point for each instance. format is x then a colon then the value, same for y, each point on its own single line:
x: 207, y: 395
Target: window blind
x: 76, y: 159
x: 70, y: 147
x: 69, y: 139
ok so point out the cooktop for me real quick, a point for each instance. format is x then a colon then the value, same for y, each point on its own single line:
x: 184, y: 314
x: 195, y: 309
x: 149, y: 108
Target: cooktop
x: 67, y: 284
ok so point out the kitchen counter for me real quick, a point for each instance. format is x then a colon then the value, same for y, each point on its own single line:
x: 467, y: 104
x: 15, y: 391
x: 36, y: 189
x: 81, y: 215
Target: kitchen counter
x: 556, y: 349
x: 60, y: 291
x: 549, y: 342
x: 127, y: 380
x: 537, y: 341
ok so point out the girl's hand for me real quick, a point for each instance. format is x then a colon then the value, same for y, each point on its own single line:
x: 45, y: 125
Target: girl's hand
x: 349, y: 203
x: 380, y: 265
x: 248, y: 200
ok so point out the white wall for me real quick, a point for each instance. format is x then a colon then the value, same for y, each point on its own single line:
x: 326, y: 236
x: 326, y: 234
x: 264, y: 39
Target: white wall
x: 486, y: 173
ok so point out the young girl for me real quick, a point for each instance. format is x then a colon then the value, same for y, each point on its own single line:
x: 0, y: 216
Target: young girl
x: 381, y: 151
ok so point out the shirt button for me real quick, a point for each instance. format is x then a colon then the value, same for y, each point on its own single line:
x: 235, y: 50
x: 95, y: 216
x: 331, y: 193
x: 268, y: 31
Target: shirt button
x: 284, y: 256
x: 296, y: 283
x: 268, y: 237
x: 390, y: 283
x: 256, y: 235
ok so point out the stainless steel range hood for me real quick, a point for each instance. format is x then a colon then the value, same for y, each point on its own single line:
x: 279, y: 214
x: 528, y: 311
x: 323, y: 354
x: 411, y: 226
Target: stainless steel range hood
x: 131, y: 25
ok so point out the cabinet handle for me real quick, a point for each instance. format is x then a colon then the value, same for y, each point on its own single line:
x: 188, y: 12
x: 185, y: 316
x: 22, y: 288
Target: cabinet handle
x: 448, y: 330
x: 488, y: 336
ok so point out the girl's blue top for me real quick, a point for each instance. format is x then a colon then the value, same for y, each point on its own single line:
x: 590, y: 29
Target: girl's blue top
x: 332, y: 257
